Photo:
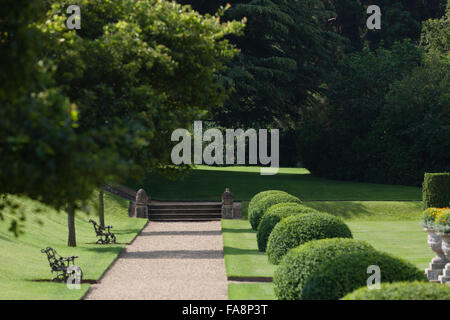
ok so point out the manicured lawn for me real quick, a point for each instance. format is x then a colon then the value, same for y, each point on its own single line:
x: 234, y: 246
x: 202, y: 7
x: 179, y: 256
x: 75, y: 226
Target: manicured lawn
x: 370, y: 210
x: 384, y: 215
x: 390, y: 226
x: 404, y: 239
x: 21, y: 260
x: 242, y: 258
x: 208, y: 183
x: 253, y: 291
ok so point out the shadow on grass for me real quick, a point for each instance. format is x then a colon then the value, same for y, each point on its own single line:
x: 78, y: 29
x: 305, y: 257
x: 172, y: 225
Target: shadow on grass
x: 5, y: 238
x: 239, y: 251
x: 344, y: 209
x: 90, y: 281
x: 247, y: 230
x: 210, y: 185
x: 116, y: 250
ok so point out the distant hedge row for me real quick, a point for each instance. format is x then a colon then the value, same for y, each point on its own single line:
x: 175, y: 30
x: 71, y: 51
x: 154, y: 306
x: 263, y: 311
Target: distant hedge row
x: 436, y: 190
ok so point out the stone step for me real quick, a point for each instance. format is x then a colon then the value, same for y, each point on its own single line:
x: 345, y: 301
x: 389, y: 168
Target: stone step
x: 189, y: 211
x: 184, y: 211
x: 186, y: 206
x: 163, y: 219
x: 184, y: 215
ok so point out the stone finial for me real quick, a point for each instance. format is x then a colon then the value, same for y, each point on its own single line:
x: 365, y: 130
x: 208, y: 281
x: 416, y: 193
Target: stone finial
x: 141, y: 197
x: 227, y: 197
x: 141, y: 208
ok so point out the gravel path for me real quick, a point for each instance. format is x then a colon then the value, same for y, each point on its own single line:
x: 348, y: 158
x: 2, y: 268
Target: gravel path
x: 168, y: 260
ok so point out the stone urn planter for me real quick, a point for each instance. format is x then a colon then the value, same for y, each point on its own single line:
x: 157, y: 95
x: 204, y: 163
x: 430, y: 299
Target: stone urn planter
x: 445, y: 277
x: 439, y: 262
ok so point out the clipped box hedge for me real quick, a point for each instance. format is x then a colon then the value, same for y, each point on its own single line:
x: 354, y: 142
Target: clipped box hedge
x: 260, y: 207
x: 299, y: 229
x: 436, y: 190
x: 348, y: 272
x: 301, y: 262
x: 332, y: 268
x: 261, y: 195
x: 403, y: 291
x: 274, y: 215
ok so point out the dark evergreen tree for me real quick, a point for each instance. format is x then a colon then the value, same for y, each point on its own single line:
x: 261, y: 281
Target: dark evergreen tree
x: 285, y: 53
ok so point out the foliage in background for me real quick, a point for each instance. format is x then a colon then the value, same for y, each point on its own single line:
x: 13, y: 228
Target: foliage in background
x: 336, y: 115
x: 385, y: 118
x: 331, y: 133
x: 285, y: 53
x: 401, y: 19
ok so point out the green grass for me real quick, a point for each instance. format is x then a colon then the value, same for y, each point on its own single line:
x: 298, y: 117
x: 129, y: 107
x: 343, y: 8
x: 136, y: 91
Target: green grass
x: 384, y: 215
x: 242, y: 258
x: 373, y: 212
x: 390, y: 226
x: 210, y: 182
x: 257, y: 291
x: 404, y: 239
x: 21, y: 260
x: 370, y: 210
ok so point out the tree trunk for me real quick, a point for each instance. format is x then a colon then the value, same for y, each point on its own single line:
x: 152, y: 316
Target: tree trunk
x: 72, y: 240
x: 101, y: 208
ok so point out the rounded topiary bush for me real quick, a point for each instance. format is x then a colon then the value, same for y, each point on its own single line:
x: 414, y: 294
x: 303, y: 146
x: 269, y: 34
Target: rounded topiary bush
x: 274, y: 215
x: 300, y: 263
x: 348, y: 272
x: 403, y: 291
x: 261, y: 195
x: 260, y: 207
x: 298, y: 229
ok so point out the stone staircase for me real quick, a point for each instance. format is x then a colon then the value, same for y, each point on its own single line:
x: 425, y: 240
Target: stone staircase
x: 184, y: 211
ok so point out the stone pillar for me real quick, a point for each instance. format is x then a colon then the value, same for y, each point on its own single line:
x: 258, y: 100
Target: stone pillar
x: 227, y: 205
x: 237, y: 210
x: 132, y: 209
x: 141, y: 205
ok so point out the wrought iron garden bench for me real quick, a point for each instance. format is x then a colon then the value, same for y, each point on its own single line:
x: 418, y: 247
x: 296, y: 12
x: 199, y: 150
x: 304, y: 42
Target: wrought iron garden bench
x: 104, y: 234
x: 60, y: 265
